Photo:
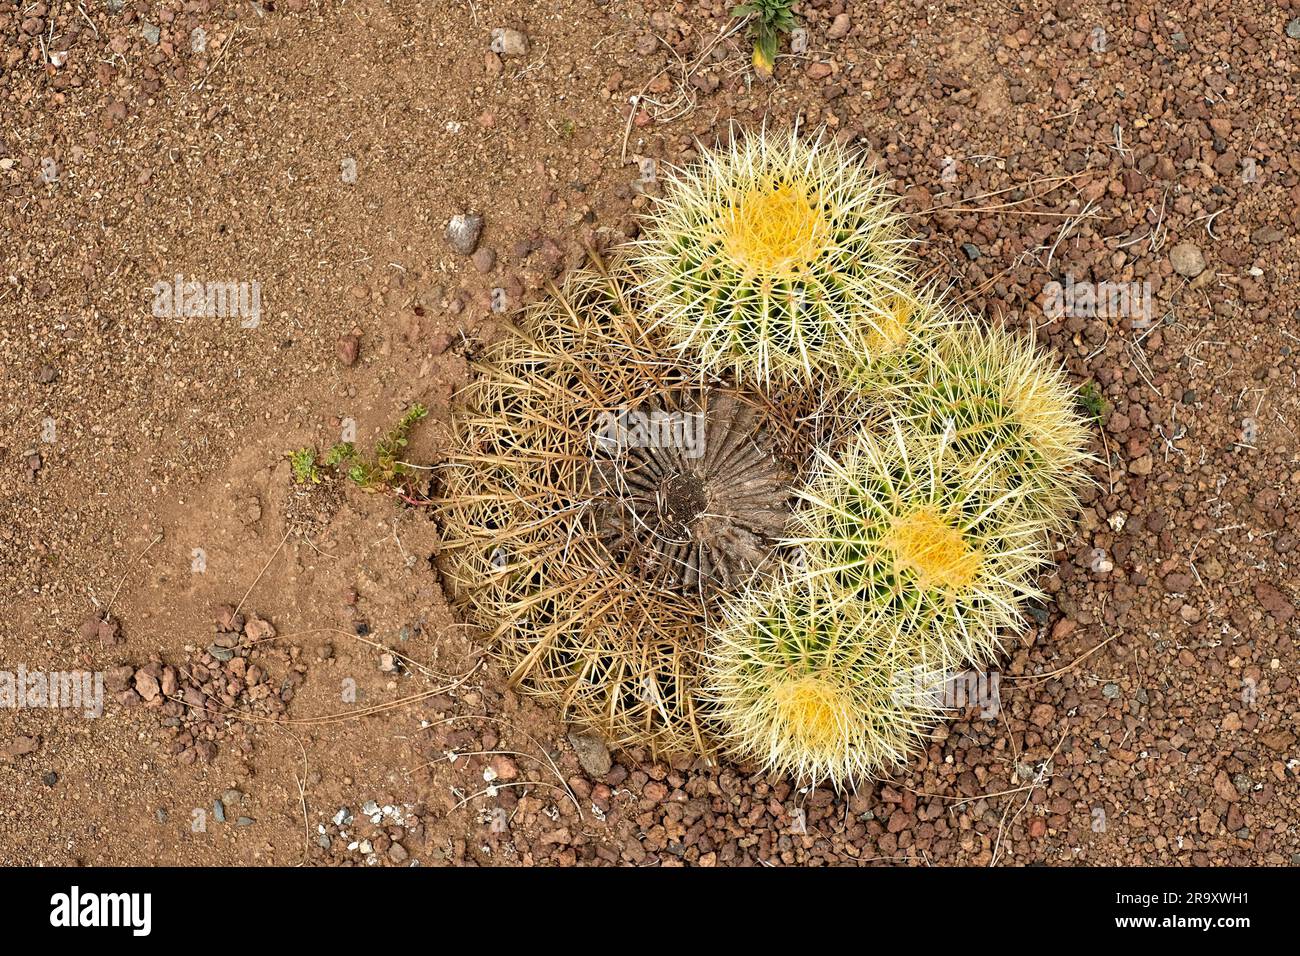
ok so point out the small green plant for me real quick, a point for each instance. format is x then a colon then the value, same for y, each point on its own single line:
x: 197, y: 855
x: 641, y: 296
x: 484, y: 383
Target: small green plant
x: 303, y: 463
x: 1091, y: 400
x: 769, y: 19
x: 385, y: 469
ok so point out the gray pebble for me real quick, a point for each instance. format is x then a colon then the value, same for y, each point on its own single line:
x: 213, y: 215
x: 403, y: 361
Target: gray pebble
x: 219, y: 811
x: 151, y: 33
x: 463, y: 232
x: 509, y: 42
x: 1187, y: 260
x: 1110, y: 691
x: 1293, y: 29
x: 592, y: 753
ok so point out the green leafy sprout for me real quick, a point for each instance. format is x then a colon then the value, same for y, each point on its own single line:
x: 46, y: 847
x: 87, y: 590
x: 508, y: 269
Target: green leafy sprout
x: 769, y: 19
x: 384, y: 470
x: 1091, y: 400
x: 303, y: 463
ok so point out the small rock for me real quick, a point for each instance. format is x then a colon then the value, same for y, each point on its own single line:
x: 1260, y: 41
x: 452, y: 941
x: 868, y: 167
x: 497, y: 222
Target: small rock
x: 146, y: 685
x: 1293, y: 29
x: 1224, y: 788
x: 20, y: 747
x: 439, y: 342
x: 509, y: 42
x: 219, y: 811
x: 397, y: 853
x: 348, y: 348
x: 227, y: 619
x: 1064, y: 628
x: 972, y: 251
x: 109, y: 634
x: 592, y: 753
x: 503, y: 767
x: 839, y: 27
x: 151, y: 33
x: 259, y: 630
x: 463, y: 232
x: 1279, y: 741
x: 1187, y: 260
x: 484, y: 259
x: 1274, y: 602
x: 1110, y: 691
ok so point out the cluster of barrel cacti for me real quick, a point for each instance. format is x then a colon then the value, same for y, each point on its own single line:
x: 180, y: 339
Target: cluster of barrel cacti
x: 879, y: 477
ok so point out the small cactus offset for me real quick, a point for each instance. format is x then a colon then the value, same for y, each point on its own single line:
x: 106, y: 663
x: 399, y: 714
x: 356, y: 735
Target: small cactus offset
x: 777, y: 259
x: 994, y: 392
x: 912, y: 315
x: 813, y: 689
x: 908, y: 527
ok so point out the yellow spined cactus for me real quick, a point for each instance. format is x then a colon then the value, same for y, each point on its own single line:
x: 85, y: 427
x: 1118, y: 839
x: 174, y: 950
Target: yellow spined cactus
x: 812, y: 689
x: 911, y: 528
x: 994, y: 393
x: 776, y: 258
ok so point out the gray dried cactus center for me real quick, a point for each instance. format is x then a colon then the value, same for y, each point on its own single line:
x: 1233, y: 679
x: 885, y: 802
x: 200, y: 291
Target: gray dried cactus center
x: 698, y: 501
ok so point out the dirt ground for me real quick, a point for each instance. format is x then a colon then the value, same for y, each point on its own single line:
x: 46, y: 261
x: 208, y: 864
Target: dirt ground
x: 1149, y: 712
